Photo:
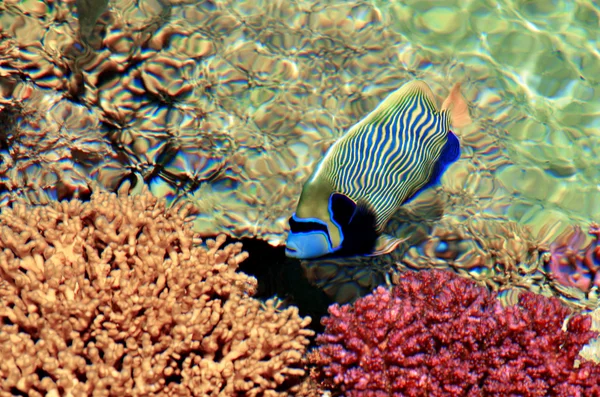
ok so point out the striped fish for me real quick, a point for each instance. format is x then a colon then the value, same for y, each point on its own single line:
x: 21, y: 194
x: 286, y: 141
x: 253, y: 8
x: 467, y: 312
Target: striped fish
x: 398, y: 150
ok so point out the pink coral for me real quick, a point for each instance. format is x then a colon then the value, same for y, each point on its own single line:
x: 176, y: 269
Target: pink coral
x: 436, y: 334
x: 573, y: 264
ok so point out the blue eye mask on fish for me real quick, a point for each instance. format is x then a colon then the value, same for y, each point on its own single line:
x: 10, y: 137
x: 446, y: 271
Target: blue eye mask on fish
x: 398, y: 150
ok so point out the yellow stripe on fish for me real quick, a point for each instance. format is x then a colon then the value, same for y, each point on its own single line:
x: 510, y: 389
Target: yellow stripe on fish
x: 389, y: 157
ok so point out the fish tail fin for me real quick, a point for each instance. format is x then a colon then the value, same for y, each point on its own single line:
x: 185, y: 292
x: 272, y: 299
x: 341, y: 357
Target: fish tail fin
x: 457, y: 107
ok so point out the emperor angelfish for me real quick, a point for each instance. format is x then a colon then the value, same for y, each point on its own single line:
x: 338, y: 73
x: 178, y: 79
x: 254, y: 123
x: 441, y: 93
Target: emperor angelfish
x: 398, y: 150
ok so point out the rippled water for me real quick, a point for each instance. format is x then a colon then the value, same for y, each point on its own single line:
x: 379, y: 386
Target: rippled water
x: 530, y: 73
x: 228, y: 104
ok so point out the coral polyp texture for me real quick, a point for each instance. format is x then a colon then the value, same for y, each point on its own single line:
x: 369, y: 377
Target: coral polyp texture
x: 229, y: 104
x: 437, y: 334
x: 117, y: 297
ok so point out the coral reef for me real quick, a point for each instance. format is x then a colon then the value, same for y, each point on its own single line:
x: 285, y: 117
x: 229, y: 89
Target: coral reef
x: 437, y: 334
x: 226, y: 105
x: 117, y: 297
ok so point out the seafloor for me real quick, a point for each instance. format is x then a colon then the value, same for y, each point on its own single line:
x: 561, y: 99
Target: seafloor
x: 228, y: 105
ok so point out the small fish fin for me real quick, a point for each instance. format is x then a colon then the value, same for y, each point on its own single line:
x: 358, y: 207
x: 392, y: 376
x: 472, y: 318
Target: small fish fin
x: 386, y: 244
x: 457, y: 105
x: 450, y: 153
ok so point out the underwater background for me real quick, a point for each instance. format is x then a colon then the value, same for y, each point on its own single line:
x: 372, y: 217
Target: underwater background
x: 228, y: 105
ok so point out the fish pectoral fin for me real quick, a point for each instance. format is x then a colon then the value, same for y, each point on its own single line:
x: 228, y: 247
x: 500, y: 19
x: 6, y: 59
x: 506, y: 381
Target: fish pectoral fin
x: 457, y: 105
x: 386, y: 244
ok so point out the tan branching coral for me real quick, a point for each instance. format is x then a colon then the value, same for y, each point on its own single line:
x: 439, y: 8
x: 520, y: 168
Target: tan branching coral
x: 115, y: 296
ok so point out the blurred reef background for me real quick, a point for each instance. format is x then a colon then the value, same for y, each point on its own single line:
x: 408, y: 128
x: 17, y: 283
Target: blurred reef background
x: 225, y: 106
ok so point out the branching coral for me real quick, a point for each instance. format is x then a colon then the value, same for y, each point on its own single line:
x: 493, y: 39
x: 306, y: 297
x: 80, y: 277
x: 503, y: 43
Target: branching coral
x: 115, y: 296
x: 436, y: 334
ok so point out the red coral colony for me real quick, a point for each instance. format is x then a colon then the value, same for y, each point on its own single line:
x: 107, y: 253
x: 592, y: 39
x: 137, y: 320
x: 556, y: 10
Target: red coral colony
x: 437, y: 334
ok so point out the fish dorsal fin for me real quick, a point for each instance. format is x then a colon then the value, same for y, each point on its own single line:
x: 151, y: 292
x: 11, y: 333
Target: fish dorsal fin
x: 396, y: 98
x: 457, y: 107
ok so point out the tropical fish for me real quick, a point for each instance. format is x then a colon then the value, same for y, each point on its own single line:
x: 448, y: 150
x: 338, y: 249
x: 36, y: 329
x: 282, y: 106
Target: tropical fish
x: 398, y: 150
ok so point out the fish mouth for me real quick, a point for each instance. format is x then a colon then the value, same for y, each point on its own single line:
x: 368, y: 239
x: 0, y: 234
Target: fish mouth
x: 291, y: 252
